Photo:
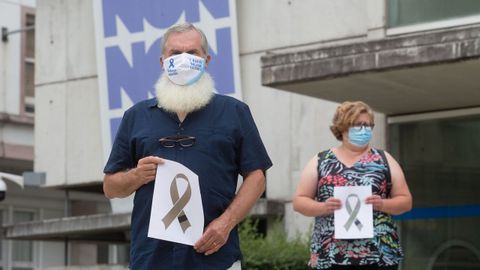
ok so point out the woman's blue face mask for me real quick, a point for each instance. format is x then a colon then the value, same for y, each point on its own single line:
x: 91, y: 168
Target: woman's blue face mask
x: 360, y: 135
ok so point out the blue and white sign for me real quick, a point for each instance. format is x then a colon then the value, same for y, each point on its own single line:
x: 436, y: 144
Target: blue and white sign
x: 128, y: 35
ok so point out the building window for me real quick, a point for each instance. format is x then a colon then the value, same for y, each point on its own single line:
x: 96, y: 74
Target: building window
x: 22, y: 250
x: 122, y: 254
x: 16, y: 254
x: 409, y: 12
x: 28, y: 61
x: 442, y: 167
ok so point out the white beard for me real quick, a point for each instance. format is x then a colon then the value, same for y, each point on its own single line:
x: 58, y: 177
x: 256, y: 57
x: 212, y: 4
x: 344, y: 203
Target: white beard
x: 184, y: 98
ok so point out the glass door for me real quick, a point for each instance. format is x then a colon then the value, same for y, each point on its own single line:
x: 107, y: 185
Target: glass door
x: 441, y: 161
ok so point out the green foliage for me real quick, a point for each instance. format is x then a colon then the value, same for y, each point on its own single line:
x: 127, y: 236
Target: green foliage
x: 273, y: 252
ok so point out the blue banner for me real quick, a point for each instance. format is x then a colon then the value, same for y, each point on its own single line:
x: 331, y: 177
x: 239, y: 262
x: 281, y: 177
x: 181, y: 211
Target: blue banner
x: 128, y: 37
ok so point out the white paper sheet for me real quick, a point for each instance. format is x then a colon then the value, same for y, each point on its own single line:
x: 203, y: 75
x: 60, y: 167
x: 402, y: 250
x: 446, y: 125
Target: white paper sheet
x: 168, y: 173
x: 355, y: 219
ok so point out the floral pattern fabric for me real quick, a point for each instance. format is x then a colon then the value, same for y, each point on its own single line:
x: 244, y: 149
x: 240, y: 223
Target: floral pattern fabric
x: 384, y: 249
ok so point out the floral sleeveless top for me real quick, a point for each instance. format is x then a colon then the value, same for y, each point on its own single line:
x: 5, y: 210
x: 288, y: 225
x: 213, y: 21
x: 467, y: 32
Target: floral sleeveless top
x: 384, y: 249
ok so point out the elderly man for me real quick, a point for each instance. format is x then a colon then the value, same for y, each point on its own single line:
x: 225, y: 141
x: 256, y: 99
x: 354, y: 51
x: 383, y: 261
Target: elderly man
x: 213, y: 135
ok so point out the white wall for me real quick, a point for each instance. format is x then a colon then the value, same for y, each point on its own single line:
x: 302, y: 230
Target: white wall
x: 12, y: 134
x: 270, y: 24
x: 67, y: 112
x: 10, y: 59
x: 294, y: 127
x: 27, y: 3
x: 10, y: 55
x: 67, y: 127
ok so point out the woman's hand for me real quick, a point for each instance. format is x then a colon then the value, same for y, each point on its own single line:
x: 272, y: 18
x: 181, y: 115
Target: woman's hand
x: 333, y: 204
x: 376, y: 201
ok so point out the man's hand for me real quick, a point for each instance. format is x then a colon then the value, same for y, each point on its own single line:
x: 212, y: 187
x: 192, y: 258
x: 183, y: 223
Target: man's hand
x: 146, y: 169
x: 217, y: 232
x: 215, y: 236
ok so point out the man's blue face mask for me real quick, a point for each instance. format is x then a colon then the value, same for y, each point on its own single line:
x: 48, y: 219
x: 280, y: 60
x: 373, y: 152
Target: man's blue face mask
x: 360, y: 135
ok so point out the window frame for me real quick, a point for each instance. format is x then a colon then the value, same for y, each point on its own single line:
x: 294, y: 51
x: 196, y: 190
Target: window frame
x: 19, y: 264
x: 24, y: 12
x: 441, y: 24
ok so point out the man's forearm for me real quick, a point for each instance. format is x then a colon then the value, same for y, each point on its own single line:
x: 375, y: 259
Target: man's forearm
x: 252, y: 188
x: 217, y: 232
x: 120, y: 184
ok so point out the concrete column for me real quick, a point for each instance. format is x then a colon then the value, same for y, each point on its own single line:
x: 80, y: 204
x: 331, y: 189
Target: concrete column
x: 376, y: 19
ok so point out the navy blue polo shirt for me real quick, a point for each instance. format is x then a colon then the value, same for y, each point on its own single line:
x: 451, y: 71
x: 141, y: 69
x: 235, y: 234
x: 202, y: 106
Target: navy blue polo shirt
x: 227, y: 144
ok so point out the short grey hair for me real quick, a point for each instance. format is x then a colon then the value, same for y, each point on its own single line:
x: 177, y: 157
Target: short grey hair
x: 181, y: 28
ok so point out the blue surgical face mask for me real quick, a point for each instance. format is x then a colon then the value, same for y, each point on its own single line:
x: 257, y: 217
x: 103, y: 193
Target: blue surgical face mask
x: 360, y: 136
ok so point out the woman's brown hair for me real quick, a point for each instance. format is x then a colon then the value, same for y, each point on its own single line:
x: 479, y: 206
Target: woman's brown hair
x: 346, y: 114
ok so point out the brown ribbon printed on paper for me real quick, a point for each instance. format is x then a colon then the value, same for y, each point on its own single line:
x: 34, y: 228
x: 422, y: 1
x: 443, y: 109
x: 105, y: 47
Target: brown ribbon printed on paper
x: 178, y: 204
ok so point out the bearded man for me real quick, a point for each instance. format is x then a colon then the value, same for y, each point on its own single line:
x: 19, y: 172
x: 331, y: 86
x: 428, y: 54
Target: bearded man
x: 213, y: 135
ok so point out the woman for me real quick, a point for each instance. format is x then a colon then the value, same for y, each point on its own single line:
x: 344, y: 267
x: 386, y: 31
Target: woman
x: 353, y: 163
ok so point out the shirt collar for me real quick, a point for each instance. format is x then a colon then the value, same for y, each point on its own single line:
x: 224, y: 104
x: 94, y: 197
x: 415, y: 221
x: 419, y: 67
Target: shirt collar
x: 153, y: 102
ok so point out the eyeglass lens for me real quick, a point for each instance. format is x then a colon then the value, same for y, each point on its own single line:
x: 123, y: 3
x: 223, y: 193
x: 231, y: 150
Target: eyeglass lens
x: 363, y: 125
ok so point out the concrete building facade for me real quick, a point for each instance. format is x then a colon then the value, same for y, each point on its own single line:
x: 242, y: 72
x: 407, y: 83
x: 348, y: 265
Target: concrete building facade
x: 416, y: 64
x: 25, y: 200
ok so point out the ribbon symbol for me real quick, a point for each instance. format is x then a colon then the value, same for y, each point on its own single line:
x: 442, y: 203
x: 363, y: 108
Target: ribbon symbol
x: 178, y: 204
x: 171, y: 63
x: 353, y: 214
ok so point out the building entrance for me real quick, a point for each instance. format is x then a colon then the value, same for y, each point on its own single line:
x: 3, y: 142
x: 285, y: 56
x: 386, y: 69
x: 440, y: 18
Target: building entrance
x: 441, y: 160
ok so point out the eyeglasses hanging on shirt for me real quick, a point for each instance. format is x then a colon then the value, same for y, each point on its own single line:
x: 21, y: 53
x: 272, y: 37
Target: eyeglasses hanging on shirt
x: 172, y: 141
